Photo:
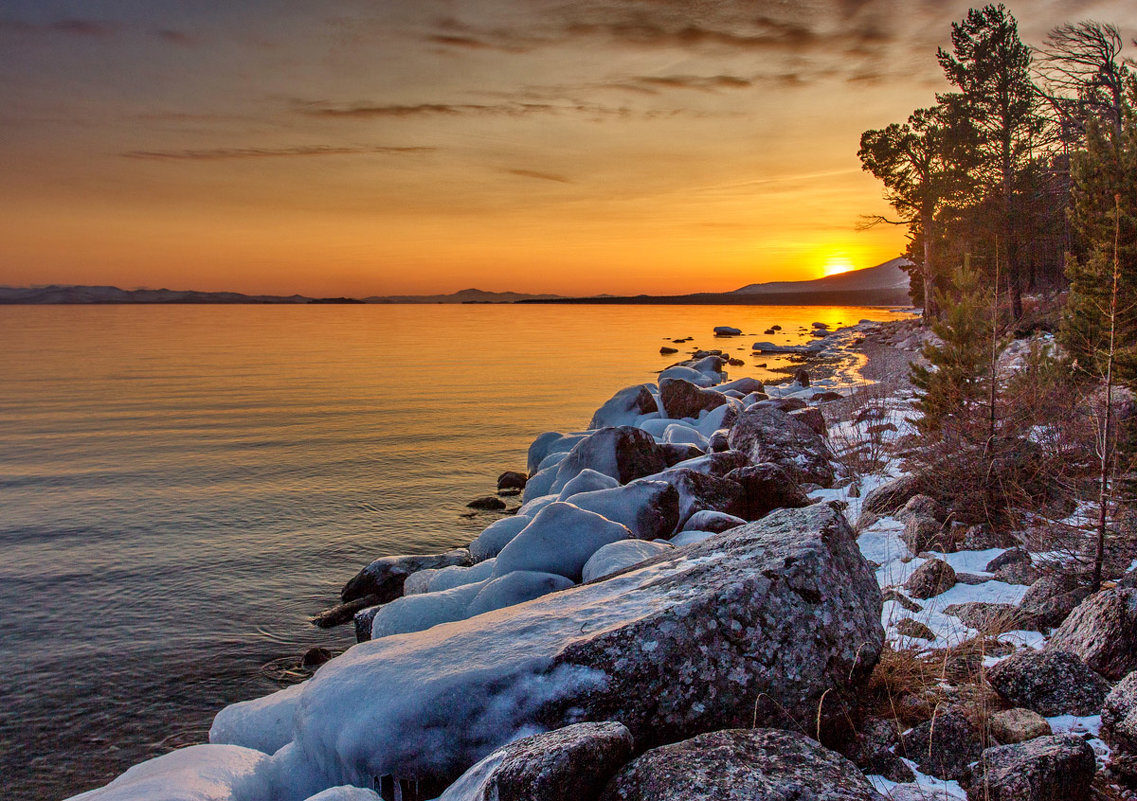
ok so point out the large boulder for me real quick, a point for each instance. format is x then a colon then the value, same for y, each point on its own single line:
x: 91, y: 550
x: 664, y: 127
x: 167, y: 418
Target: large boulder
x: 766, y: 487
x: 889, y: 497
x: 563, y: 765
x: 547, y: 444
x: 496, y: 536
x: 683, y: 399
x: 943, y: 746
x: 1056, y: 768
x: 1018, y: 725
x: 624, y: 407
x: 1103, y: 632
x: 1050, y: 599
x: 560, y: 540
x: 699, y: 491
x: 617, y: 556
x: 1119, y: 721
x: 771, y: 623
x: 742, y: 764
x: 624, y: 453
x: 1049, y: 682
x: 384, y: 577
x: 930, y: 579
x: 587, y: 480
x: 766, y: 434
x: 650, y: 509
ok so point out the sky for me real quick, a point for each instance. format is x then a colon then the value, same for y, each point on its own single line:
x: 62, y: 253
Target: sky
x: 373, y: 147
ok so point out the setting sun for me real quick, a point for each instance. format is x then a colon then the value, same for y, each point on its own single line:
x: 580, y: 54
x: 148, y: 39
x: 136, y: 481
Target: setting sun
x: 837, y: 264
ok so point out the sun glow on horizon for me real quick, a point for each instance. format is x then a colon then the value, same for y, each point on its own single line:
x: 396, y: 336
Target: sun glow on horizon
x: 835, y: 265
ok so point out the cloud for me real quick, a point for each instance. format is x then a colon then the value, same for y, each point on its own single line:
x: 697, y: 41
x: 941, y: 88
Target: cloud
x: 175, y: 37
x: 542, y: 176
x: 257, y: 153
x: 710, y: 83
x: 70, y: 26
x: 506, y: 109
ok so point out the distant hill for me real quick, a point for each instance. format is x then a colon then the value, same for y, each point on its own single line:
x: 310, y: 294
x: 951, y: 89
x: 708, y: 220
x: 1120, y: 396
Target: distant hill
x: 56, y: 294
x: 883, y: 277
x: 462, y: 296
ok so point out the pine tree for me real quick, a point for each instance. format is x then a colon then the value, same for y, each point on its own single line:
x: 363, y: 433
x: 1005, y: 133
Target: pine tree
x: 953, y: 385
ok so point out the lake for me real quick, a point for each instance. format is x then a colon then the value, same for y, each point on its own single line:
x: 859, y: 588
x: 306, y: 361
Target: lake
x: 181, y: 487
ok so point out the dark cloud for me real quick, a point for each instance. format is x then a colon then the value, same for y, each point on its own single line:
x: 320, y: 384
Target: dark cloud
x: 70, y: 26
x: 542, y: 176
x: 507, y: 109
x: 711, y: 83
x: 175, y: 37
x: 257, y: 153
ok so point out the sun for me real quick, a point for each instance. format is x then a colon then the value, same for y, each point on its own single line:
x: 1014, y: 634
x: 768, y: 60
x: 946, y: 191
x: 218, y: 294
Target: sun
x: 834, y: 265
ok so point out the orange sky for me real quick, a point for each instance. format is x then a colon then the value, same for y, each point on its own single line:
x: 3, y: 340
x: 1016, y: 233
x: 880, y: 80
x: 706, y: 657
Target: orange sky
x: 421, y: 146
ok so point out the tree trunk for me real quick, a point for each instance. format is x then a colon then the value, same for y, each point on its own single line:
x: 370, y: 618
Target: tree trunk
x: 929, y: 272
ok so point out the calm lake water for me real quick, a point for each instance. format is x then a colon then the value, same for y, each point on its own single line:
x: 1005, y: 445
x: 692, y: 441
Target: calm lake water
x: 182, y: 486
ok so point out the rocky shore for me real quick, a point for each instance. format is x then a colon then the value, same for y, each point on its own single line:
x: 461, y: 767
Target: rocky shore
x: 718, y: 589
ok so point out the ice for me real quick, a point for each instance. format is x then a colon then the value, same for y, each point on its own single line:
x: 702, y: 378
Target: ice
x: 497, y: 534
x: 261, y: 723
x: 630, y: 505
x: 345, y: 792
x: 419, y: 612
x: 679, y: 434
x: 688, y: 537
x: 471, y: 784
x: 587, y: 480
x: 560, y: 539
x: 532, y: 507
x: 515, y: 588
x: 655, y: 426
x: 616, y: 556
x: 449, y: 577
x: 689, y: 374
x: 711, y: 420
x: 549, y: 443
x: 196, y: 773
x: 541, y: 483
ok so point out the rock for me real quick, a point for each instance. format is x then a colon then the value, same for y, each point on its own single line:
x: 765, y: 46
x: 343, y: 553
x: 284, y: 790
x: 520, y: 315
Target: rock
x: 768, y: 623
x: 708, y: 520
x: 872, y: 751
x: 813, y: 418
x: 981, y: 538
x: 910, y: 627
x: 488, y: 503
x: 650, y: 509
x: 922, y: 533
x: 727, y: 331
x: 547, y: 444
x: 587, y: 480
x: 891, y: 496
x: 746, y: 385
x: 786, y: 405
x: 1013, y: 566
x: 448, y: 577
x: 1056, y: 768
x: 567, y: 764
x: 683, y: 399
x: 1119, y: 722
x: 821, y: 326
x: 929, y: 579
x: 514, y: 588
x: 987, y: 618
x: 943, y: 747
x: 342, y: 613
x: 699, y: 491
x: 617, y: 556
x: 769, y: 331
x: 825, y: 397
x: 1049, y: 682
x: 891, y: 594
x: 719, y: 442
x: 560, y: 540
x: 688, y: 372
x: 496, y: 536
x: 674, y: 452
x: 742, y: 764
x: 766, y: 487
x: 766, y: 434
x: 801, y: 377
x: 384, y: 577
x: 624, y: 453
x: 1017, y: 725
x: 921, y: 505
x: 511, y: 479
x: 625, y: 406
x: 1102, y: 630
x: 314, y: 657
x: 1051, y: 599
x: 1128, y: 581
x: 664, y: 351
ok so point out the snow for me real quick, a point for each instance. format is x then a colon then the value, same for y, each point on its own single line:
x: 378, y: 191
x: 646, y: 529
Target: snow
x: 560, y: 539
x: 418, y: 612
x: 616, y: 556
x: 515, y: 588
x: 196, y: 773
x: 586, y: 481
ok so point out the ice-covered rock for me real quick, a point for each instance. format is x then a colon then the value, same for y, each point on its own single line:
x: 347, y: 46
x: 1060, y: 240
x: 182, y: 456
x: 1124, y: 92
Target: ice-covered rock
x: 196, y: 773
x: 623, y: 408
x: 679, y: 434
x: 715, y: 464
x: 766, y: 487
x: 541, y: 483
x: 549, y: 443
x: 497, y: 535
x: 745, y: 385
x: 384, y: 577
x: 264, y: 724
x: 560, y: 539
x: 649, y: 508
x: 691, y: 536
x: 689, y: 374
x: 515, y: 588
x: 624, y: 453
x: 659, y: 648
x: 766, y: 434
x: 741, y: 764
x: 616, y: 556
x: 683, y: 399
x: 587, y: 480
x: 421, y: 612
x: 447, y: 578
x: 345, y: 792
x: 698, y: 491
x: 708, y: 520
